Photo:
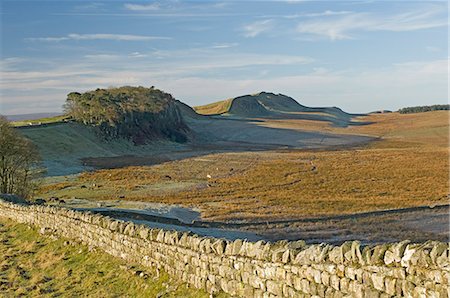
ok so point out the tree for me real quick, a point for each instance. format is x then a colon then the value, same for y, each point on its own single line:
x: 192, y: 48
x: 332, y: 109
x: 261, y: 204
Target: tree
x: 420, y: 109
x: 19, y: 162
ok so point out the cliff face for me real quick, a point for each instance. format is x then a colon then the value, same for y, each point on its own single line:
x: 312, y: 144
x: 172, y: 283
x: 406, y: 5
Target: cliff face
x: 143, y: 126
x: 136, y: 113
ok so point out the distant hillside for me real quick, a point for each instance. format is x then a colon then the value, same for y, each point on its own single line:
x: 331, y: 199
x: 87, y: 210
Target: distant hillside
x: 270, y: 105
x: 420, y: 109
x: 214, y: 108
x: 33, y: 116
x: 63, y: 146
x: 136, y: 113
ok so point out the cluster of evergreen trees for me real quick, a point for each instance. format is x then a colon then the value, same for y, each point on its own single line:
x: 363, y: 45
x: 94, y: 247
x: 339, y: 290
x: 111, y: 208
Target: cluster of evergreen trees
x: 421, y: 109
x: 137, y: 113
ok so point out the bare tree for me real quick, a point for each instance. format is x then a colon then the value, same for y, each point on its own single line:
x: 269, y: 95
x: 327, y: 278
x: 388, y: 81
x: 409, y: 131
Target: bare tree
x: 19, y: 161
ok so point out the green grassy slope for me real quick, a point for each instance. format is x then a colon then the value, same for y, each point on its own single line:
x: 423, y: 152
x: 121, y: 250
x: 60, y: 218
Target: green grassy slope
x: 47, y: 120
x: 33, y: 265
x: 62, y: 146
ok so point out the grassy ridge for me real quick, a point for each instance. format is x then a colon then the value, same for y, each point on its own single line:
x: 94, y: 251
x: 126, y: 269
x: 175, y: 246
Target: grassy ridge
x: 47, y: 120
x: 215, y: 108
x: 36, y: 266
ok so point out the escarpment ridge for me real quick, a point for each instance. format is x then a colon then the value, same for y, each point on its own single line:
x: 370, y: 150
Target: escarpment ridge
x: 136, y: 113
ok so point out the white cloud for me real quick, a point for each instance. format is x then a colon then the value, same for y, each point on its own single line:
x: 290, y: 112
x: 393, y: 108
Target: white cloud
x: 343, y: 27
x: 142, y: 7
x: 415, y: 83
x: 116, y: 37
x: 294, y: 1
x: 327, y: 13
x: 256, y: 28
x: 225, y: 45
x: 99, y: 68
x: 138, y: 55
x: 102, y: 56
x: 403, y: 84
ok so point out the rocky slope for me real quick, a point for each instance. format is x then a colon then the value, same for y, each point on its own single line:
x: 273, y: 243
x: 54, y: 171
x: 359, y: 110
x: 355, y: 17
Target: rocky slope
x: 136, y: 113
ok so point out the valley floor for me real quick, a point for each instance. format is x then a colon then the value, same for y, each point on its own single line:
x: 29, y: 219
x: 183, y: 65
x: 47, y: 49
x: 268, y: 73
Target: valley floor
x: 405, y: 166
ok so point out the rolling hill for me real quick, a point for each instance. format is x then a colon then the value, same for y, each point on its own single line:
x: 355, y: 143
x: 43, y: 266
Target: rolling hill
x: 275, y: 106
x: 135, y: 125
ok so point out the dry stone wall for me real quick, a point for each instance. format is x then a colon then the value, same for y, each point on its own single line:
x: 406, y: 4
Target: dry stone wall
x: 256, y: 269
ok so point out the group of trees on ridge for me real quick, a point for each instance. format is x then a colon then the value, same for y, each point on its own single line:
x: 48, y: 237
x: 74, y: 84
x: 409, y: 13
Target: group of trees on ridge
x: 137, y: 113
x: 420, y: 109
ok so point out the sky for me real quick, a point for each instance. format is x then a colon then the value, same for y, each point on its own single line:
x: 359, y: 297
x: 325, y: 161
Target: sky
x: 361, y: 56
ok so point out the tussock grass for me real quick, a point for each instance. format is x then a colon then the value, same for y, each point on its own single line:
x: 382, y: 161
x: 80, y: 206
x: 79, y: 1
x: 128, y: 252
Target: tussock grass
x: 32, y: 265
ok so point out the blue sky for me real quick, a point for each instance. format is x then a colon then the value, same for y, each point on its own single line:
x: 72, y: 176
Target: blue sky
x: 358, y: 55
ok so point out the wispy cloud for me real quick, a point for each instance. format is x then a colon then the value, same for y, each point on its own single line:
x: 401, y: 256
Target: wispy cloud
x: 256, y: 28
x: 225, y: 45
x: 344, y: 27
x: 102, y: 56
x: 142, y: 7
x: 327, y: 13
x: 412, y: 83
x: 116, y: 37
x: 293, y: 1
x: 137, y: 55
x: 156, y: 15
x: 303, y: 15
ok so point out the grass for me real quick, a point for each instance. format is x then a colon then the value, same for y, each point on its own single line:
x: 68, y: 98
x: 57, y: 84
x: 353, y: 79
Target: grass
x: 407, y: 167
x: 421, y: 129
x: 48, y: 120
x: 65, y: 144
x: 215, y: 108
x: 32, y: 265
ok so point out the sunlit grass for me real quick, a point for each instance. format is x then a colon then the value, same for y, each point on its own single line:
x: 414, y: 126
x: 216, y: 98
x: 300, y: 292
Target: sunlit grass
x: 32, y: 265
x: 219, y: 107
x: 39, y: 121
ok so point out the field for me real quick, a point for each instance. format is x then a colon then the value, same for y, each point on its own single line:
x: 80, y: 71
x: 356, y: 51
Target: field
x: 33, y: 265
x: 406, y: 166
x: 40, y: 121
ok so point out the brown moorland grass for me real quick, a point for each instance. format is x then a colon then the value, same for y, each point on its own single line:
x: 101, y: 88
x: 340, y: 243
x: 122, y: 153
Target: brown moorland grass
x: 407, y: 167
x: 418, y: 129
x: 219, y: 107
